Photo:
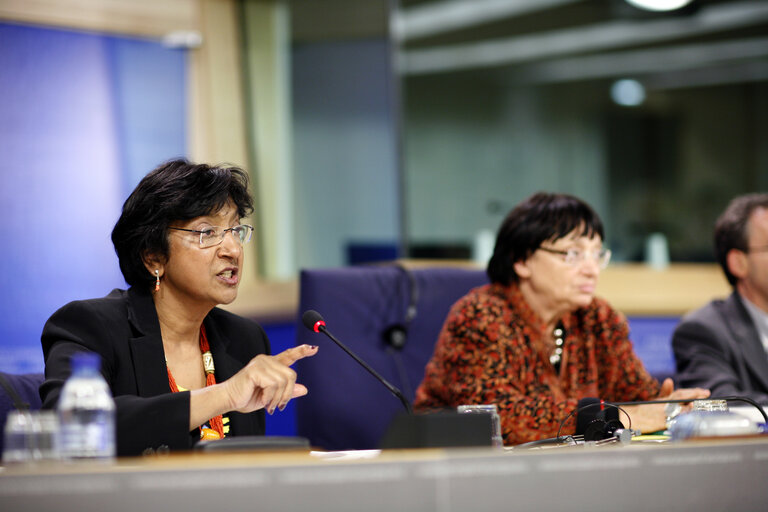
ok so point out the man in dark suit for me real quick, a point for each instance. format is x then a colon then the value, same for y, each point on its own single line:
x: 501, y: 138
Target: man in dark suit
x: 724, y: 345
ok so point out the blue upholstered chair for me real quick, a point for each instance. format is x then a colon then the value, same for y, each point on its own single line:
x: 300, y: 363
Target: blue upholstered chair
x: 346, y: 407
x: 25, y: 386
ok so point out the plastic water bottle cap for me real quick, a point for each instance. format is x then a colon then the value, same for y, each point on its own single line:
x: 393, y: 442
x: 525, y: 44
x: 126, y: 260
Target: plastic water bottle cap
x: 85, y: 361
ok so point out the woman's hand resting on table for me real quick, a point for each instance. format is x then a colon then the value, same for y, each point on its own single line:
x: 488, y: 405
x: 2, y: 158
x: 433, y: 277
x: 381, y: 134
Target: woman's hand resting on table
x: 652, y: 417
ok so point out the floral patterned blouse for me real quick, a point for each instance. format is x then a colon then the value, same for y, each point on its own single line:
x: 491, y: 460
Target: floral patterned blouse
x: 493, y: 350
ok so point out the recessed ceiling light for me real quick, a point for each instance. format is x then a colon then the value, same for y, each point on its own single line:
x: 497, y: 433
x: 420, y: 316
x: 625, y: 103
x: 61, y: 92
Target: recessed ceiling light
x: 659, y: 5
x: 628, y: 92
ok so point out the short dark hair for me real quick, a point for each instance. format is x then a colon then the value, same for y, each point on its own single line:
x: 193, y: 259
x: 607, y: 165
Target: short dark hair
x: 731, y: 228
x: 174, y: 191
x: 541, y: 217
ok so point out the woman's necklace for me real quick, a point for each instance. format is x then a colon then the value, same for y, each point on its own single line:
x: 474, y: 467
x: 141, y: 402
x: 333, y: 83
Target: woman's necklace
x: 216, y: 428
x: 558, y: 334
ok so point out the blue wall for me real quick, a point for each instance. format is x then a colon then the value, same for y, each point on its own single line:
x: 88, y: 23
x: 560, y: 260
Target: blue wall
x: 82, y: 118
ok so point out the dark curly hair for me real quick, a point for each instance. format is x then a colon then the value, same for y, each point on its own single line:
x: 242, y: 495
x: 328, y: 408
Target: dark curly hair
x: 541, y: 217
x: 731, y: 228
x: 175, y: 191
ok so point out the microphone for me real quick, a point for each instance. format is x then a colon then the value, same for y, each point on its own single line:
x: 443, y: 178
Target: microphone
x: 314, y: 322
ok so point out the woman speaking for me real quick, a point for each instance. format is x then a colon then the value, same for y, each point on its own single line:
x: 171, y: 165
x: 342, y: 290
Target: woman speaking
x: 180, y: 369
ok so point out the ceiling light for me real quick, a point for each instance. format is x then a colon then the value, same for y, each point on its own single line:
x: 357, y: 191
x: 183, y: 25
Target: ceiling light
x: 628, y: 92
x: 659, y: 5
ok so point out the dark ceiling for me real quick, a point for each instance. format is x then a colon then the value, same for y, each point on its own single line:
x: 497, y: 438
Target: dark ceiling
x: 552, y: 41
x: 549, y: 41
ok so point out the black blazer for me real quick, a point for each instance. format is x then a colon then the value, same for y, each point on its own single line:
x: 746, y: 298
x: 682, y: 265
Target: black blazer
x: 718, y: 347
x: 124, y: 330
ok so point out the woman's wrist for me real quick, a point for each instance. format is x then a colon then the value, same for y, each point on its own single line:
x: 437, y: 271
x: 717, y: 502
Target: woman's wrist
x: 206, y: 403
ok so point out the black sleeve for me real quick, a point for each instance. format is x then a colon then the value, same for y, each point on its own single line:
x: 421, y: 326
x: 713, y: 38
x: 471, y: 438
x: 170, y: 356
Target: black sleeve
x: 142, y: 422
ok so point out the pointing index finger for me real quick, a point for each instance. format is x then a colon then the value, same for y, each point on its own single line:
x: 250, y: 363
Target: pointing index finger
x: 293, y: 354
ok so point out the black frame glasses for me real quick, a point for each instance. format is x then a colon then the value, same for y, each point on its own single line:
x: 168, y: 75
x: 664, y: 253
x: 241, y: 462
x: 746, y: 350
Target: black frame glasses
x: 214, y: 235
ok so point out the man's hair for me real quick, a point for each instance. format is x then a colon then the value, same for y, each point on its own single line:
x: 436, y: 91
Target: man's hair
x: 731, y: 228
x: 175, y: 191
x: 540, y: 218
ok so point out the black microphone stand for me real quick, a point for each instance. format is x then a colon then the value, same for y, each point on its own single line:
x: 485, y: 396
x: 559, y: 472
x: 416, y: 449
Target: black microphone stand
x: 392, y: 389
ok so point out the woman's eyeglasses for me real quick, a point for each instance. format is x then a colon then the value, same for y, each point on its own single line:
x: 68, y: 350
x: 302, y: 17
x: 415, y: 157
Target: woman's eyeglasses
x: 576, y: 256
x: 214, y: 235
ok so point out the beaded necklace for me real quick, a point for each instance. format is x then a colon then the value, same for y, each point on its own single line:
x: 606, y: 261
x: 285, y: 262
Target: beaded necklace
x: 557, y: 355
x: 216, y: 429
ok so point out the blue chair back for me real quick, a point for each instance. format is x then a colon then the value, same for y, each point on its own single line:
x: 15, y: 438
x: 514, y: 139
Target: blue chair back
x: 347, y: 408
x: 26, y: 387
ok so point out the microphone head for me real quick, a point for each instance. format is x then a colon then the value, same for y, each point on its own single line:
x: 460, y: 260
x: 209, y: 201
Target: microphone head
x: 312, y: 320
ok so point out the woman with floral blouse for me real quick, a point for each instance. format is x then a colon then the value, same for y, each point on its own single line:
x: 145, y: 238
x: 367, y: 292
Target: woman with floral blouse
x: 536, y: 340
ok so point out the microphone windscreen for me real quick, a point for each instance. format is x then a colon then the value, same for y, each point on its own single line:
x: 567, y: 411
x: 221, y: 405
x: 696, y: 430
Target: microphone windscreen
x: 590, y: 410
x: 310, y: 319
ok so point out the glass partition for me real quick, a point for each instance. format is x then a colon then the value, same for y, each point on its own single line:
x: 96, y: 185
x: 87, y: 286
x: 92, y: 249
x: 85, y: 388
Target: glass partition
x: 656, y: 119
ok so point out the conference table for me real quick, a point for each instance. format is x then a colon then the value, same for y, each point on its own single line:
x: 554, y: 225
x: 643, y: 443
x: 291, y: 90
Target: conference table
x: 695, y: 475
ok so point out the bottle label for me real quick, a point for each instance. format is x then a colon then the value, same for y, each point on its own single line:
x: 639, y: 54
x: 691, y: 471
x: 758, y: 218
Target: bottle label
x: 87, y: 435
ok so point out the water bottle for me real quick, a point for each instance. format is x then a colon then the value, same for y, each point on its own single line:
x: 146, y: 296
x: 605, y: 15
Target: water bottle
x: 86, y: 412
x: 31, y: 436
x: 18, y: 427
